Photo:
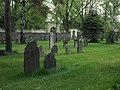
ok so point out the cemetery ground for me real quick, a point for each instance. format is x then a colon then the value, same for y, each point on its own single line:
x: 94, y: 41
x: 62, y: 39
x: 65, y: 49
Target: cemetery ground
x: 97, y: 68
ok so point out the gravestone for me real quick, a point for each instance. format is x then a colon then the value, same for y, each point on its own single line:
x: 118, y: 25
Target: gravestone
x: 41, y: 51
x: 3, y: 52
x: 50, y: 61
x: 85, y: 42
x: 31, y: 58
x: 54, y: 49
x: 80, y: 47
x: 65, y: 42
x: 67, y: 49
x: 51, y: 40
x: 75, y: 42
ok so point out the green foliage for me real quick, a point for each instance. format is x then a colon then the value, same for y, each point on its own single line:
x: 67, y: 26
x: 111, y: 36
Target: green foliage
x: 35, y: 19
x: 69, y: 13
x: 35, y: 14
x: 92, y: 26
x: 59, y: 1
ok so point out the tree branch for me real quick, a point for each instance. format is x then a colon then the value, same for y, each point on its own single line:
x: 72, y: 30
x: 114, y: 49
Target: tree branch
x: 81, y: 11
x: 29, y: 7
x: 71, y: 6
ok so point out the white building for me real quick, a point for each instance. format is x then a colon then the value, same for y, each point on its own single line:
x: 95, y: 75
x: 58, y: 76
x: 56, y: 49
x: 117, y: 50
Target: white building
x: 74, y: 32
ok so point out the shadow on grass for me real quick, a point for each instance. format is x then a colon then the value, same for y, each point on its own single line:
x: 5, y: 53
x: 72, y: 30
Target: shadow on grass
x: 40, y: 73
x: 56, y: 70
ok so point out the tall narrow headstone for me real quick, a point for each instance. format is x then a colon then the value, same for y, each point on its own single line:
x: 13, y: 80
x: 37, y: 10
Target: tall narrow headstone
x: 31, y: 58
x: 85, y: 42
x: 80, y: 47
x: 75, y: 42
x: 51, y: 39
x: 50, y: 61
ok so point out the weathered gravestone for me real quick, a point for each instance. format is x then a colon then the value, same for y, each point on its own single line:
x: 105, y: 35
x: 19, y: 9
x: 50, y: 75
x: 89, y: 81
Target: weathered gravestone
x: 53, y: 37
x: 65, y: 42
x: 68, y: 49
x: 54, y: 49
x: 51, y: 40
x: 31, y: 58
x: 41, y: 51
x: 85, y: 42
x: 75, y: 42
x: 50, y: 61
x: 80, y: 47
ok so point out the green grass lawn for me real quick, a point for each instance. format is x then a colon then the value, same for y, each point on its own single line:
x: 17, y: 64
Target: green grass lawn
x: 97, y: 68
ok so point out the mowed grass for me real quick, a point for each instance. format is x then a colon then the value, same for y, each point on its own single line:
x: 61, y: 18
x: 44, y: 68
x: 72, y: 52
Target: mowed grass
x: 97, y: 68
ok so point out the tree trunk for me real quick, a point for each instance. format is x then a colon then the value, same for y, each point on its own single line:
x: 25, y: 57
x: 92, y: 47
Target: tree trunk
x: 22, y: 34
x: 8, y: 45
x: 112, y: 32
x: 67, y: 16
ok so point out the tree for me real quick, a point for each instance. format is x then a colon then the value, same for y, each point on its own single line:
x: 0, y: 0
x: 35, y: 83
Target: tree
x: 111, y: 11
x: 8, y: 45
x: 71, y: 12
x: 1, y: 14
x: 23, y: 3
x: 36, y: 17
x: 92, y: 26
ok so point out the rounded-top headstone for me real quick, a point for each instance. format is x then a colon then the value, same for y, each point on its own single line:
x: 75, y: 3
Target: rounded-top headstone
x: 31, y: 58
x: 50, y: 61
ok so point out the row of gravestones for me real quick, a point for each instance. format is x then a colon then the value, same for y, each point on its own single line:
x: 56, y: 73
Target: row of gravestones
x: 32, y: 57
x: 77, y: 43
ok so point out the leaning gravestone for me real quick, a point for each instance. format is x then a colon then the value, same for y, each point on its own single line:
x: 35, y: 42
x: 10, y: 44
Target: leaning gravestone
x: 85, y: 42
x: 50, y: 61
x: 41, y: 51
x: 54, y: 49
x: 31, y: 58
x: 67, y: 49
x: 79, y: 47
